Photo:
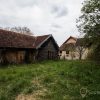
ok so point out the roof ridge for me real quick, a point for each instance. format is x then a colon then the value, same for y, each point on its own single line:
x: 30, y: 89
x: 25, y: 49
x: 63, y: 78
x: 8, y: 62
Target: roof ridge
x: 44, y: 35
x: 35, y: 40
x: 46, y: 38
x: 16, y: 32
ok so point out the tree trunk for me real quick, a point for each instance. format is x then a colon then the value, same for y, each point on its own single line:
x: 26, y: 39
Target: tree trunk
x: 80, y: 56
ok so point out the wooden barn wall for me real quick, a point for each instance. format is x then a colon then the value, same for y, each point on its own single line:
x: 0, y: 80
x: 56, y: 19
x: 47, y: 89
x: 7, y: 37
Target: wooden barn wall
x: 48, y: 49
x: 30, y: 56
x: 16, y: 56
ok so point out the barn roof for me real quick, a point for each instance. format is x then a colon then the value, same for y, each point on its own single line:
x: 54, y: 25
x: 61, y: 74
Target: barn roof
x: 39, y: 40
x: 17, y: 40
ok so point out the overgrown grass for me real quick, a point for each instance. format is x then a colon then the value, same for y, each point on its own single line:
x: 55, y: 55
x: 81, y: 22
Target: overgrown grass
x: 62, y: 80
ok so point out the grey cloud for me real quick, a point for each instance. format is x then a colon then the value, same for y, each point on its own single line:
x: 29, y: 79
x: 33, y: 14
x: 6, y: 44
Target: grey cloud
x: 6, y: 21
x: 53, y: 30
x: 56, y: 26
x: 25, y: 3
x: 60, y: 11
x: 63, y: 12
x: 55, y: 9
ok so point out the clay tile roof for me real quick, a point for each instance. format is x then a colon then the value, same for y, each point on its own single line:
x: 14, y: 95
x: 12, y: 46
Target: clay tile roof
x: 79, y: 42
x: 39, y: 40
x: 16, y: 40
x: 63, y: 46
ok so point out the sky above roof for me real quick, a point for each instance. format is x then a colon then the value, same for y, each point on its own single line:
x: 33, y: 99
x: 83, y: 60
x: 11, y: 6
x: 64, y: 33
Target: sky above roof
x: 56, y: 17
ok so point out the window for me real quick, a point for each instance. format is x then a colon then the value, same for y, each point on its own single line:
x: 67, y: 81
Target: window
x: 60, y: 51
x: 67, y: 52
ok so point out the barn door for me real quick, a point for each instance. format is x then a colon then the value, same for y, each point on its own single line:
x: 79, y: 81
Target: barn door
x: 51, y: 55
x: 27, y: 58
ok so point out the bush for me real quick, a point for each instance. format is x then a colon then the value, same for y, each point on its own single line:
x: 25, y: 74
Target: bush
x: 95, y: 53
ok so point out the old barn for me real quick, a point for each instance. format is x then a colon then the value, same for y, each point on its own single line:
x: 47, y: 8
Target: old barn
x: 20, y: 48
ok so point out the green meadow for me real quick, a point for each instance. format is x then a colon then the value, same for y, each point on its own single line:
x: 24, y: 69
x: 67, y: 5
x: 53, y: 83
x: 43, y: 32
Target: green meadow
x: 51, y: 80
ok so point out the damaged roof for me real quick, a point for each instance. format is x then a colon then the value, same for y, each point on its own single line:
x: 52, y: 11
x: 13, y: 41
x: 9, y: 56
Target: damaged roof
x: 78, y: 42
x: 18, y: 40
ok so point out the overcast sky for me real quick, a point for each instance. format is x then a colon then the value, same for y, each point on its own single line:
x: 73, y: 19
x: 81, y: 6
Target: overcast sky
x: 56, y: 17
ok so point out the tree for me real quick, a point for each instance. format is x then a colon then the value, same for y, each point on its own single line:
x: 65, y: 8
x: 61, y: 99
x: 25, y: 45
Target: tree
x: 22, y: 30
x: 81, y: 46
x: 90, y: 18
x: 89, y: 23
